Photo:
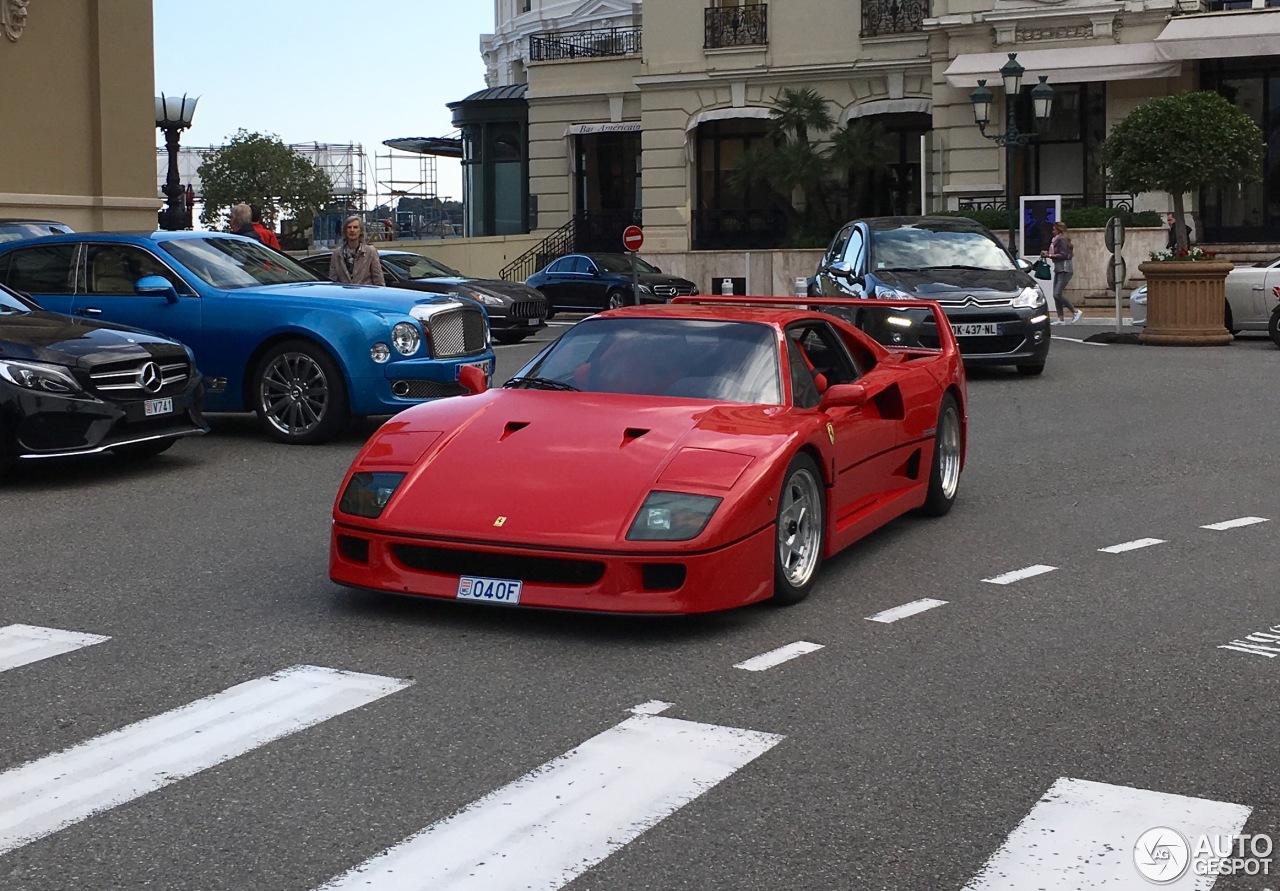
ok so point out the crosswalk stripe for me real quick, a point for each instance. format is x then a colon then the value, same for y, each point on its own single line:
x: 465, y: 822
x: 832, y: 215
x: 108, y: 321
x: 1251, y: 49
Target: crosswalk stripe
x: 1136, y: 544
x: 556, y: 822
x: 1235, y: 524
x: 907, y: 609
x: 24, y: 644
x: 773, y: 658
x: 1082, y: 834
x: 1017, y: 575
x: 51, y: 793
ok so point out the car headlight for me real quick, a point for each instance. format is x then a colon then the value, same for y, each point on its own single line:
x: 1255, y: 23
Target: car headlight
x: 894, y: 294
x: 481, y: 297
x: 643, y: 288
x: 379, y: 352
x: 406, y: 338
x: 1028, y: 298
x: 672, y: 516
x: 368, y: 493
x: 39, y: 376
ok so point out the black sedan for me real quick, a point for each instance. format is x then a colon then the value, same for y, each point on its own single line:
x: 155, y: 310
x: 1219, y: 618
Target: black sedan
x: 515, y: 310
x: 593, y: 282
x: 997, y: 312
x: 69, y: 386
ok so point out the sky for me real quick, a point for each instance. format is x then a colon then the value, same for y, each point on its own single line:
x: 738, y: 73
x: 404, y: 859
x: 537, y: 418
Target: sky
x: 327, y: 71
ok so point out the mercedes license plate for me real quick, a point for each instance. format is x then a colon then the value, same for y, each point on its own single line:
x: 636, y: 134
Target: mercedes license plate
x: 486, y: 366
x: 487, y: 590
x: 976, y: 329
x: 153, y: 407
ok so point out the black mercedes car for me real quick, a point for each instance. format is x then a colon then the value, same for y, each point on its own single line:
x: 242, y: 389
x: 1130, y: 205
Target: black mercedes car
x: 515, y: 310
x: 70, y: 386
x: 996, y: 310
x: 591, y: 282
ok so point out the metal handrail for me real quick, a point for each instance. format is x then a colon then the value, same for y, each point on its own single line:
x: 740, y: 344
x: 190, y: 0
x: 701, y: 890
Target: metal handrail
x: 593, y: 43
x: 555, y: 245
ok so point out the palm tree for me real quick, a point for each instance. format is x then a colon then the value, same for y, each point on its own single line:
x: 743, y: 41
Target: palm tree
x: 796, y: 112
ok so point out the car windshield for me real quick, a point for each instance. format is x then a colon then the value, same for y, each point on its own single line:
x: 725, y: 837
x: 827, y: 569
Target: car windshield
x: 909, y: 247
x: 415, y: 266
x: 11, y: 302
x: 618, y: 263
x: 230, y: 263
x: 687, y: 358
x: 19, y: 231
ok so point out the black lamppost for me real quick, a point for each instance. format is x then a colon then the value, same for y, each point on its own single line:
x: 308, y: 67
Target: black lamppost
x: 173, y: 115
x: 1011, y: 139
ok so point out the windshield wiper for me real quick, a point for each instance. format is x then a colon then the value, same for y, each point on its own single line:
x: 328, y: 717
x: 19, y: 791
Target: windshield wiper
x: 539, y: 383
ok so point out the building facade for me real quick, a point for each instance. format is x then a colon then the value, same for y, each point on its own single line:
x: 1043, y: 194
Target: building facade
x: 79, y: 75
x: 647, y: 121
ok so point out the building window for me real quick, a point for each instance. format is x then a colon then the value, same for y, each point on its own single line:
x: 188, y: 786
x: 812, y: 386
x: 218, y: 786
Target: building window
x: 729, y: 214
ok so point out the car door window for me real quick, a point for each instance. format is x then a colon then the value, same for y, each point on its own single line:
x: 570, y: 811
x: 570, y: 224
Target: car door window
x: 855, y: 251
x: 559, y: 266
x: 577, y: 265
x: 836, y: 250
x: 116, y: 268
x: 42, y: 270
x: 826, y: 352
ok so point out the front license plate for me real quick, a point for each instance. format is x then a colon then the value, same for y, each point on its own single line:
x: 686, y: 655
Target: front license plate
x: 534, y: 323
x: 154, y: 407
x: 976, y: 329
x: 472, y: 587
x: 484, y: 366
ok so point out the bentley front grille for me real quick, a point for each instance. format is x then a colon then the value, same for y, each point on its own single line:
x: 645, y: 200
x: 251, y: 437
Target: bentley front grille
x: 459, y: 332
x: 139, y: 379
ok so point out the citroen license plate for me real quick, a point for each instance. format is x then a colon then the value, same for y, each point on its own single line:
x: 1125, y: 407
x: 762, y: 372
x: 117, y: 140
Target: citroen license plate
x: 153, y: 407
x: 488, y: 590
x: 976, y: 329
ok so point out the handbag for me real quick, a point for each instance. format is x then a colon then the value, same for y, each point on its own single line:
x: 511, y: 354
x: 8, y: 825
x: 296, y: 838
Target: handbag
x: 1041, y: 270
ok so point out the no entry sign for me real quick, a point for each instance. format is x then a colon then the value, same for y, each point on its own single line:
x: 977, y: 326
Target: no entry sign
x: 632, y: 238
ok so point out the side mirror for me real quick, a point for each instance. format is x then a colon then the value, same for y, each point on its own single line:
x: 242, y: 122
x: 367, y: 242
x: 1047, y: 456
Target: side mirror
x: 841, y: 269
x: 156, y: 286
x: 473, y: 380
x: 1024, y: 264
x: 844, y: 396
x: 657, y: 269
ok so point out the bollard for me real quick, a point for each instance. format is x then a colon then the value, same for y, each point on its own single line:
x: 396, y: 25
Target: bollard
x: 726, y: 286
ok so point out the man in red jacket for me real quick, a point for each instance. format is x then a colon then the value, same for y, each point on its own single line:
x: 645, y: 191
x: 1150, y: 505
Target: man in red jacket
x: 266, y: 235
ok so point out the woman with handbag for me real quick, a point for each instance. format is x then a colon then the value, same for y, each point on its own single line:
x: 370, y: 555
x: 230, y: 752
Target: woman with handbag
x: 1060, y: 252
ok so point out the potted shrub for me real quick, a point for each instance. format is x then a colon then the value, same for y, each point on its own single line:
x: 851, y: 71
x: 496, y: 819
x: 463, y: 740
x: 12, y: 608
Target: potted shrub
x: 1178, y: 144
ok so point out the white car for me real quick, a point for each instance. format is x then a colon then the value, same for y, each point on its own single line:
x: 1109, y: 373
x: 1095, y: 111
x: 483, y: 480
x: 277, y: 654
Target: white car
x: 1252, y: 301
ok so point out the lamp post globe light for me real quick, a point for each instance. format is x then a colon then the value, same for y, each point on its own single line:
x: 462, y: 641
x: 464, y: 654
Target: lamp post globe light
x: 1012, y: 140
x: 173, y: 115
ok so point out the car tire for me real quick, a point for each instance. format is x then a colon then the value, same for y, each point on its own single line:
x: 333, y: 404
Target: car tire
x: 944, y: 470
x: 616, y: 299
x: 504, y: 337
x: 140, y: 451
x: 800, y: 532
x: 299, y: 395
x: 1031, y: 369
x: 1273, y: 326
x: 1227, y: 321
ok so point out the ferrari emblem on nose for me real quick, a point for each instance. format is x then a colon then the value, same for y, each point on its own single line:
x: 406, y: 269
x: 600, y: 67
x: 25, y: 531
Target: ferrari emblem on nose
x: 831, y: 432
x: 499, y: 521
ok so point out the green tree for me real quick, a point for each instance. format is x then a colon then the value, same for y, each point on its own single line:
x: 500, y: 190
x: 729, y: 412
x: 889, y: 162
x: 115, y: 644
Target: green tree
x: 1183, y: 143
x: 260, y: 169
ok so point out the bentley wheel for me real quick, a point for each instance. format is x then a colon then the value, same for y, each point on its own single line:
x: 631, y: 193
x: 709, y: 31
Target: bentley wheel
x: 617, y: 299
x: 141, y: 450
x: 801, y: 532
x: 948, y: 449
x: 299, y: 394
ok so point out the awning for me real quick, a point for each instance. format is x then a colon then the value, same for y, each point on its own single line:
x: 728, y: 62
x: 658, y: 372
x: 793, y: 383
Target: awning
x: 1219, y: 35
x: 1076, y: 64
x: 443, y: 146
x: 610, y: 127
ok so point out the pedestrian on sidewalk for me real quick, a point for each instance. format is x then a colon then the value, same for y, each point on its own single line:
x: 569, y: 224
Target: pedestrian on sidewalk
x: 1060, y: 252
x: 242, y: 222
x: 356, y: 262
x: 265, y: 235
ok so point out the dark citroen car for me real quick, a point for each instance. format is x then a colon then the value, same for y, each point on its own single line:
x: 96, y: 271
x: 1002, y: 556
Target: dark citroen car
x: 515, y: 310
x: 996, y: 310
x: 72, y: 386
x: 591, y: 282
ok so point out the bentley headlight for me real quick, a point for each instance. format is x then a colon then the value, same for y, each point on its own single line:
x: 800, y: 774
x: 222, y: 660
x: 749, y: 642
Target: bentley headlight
x: 406, y: 338
x: 1029, y: 298
x: 672, y: 516
x: 39, y: 376
x: 368, y: 493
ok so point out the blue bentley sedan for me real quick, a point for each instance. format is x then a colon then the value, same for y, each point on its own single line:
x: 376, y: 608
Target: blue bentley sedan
x: 269, y: 336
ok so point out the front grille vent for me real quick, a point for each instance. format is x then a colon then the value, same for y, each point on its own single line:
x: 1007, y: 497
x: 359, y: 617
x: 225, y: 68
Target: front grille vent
x: 528, y: 309
x: 139, y: 379
x: 459, y: 332
x: 538, y: 570
x: 674, y: 290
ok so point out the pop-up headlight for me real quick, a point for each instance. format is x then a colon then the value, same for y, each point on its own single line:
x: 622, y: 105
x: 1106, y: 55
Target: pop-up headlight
x: 368, y: 493
x: 672, y: 516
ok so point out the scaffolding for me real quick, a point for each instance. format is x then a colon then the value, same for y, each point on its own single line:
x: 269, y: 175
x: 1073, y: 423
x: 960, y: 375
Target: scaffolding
x: 343, y: 164
x: 400, y: 177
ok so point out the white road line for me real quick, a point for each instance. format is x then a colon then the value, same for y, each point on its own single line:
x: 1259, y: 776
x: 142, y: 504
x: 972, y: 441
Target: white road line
x: 1233, y: 524
x: 54, y: 792
x: 1132, y: 545
x: 1082, y: 834
x: 778, y: 656
x: 545, y: 829
x: 1077, y: 340
x: 24, y: 644
x: 652, y: 707
x: 1019, y: 574
x: 907, y: 609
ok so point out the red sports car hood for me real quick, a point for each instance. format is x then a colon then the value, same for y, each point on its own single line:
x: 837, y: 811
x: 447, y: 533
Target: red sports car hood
x: 567, y: 469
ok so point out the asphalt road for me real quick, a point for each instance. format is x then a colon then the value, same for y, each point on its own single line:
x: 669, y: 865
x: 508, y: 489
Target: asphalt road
x: 900, y: 755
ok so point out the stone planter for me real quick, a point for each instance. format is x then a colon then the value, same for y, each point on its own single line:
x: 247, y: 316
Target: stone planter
x: 1185, y: 301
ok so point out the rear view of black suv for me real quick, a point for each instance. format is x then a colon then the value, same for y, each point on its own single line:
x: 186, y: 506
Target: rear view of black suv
x: 997, y: 312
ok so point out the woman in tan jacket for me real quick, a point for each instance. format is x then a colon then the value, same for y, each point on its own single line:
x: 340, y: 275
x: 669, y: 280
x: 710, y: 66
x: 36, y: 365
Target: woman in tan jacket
x: 354, y: 262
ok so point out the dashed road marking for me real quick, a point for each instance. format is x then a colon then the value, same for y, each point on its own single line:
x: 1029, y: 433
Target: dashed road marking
x: 907, y: 609
x: 1132, y: 545
x: 1234, y: 524
x: 1018, y: 575
x: 652, y: 707
x: 778, y: 656
x: 24, y: 644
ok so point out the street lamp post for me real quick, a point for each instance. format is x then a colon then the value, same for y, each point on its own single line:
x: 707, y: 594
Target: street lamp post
x: 1011, y: 139
x: 173, y: 115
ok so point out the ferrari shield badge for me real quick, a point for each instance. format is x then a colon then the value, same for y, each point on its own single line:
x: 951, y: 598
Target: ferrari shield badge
x: 499, y: 521
x: 831, y: 432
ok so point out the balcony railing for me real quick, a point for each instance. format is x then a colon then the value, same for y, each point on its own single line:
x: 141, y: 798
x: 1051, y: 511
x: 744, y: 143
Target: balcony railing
x: 600, y: 42
x: 880, y: 17
x: 737, y: 26
x: 1113, y: 200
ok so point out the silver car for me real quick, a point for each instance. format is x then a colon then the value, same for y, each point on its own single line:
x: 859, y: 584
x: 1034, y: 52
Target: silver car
x: 1253, y: 300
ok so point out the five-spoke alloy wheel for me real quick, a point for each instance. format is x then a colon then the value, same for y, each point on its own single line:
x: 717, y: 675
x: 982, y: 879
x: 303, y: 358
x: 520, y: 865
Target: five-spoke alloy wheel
x: 801, y: 531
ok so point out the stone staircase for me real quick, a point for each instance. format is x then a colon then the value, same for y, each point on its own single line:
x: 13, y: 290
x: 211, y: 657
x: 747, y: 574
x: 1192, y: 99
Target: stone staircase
x: 1244, y: 254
